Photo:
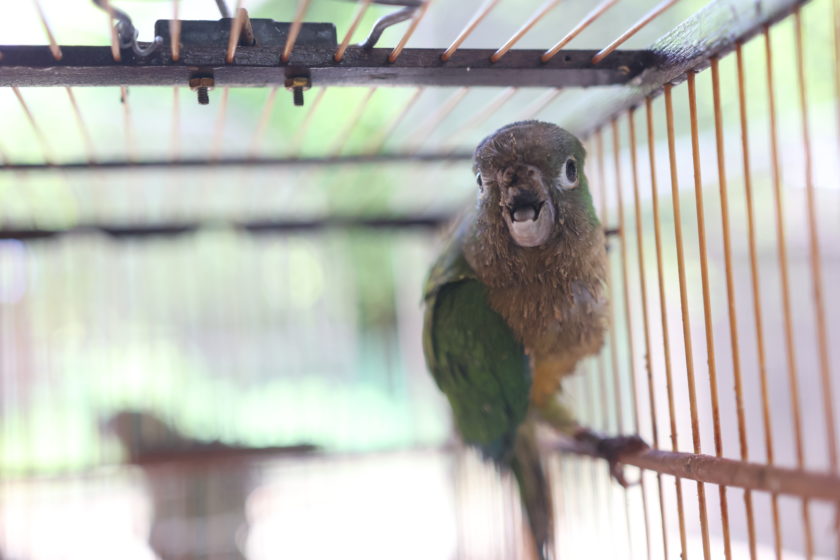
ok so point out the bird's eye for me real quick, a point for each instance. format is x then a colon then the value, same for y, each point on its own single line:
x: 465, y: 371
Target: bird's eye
x: 478, y: 181
x: 569, y: 174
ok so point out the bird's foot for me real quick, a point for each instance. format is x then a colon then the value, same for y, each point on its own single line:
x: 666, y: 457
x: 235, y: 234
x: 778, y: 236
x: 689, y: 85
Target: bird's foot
x: 612, y: 449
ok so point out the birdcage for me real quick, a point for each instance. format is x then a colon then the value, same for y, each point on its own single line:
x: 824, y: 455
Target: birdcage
x: 210, y: 286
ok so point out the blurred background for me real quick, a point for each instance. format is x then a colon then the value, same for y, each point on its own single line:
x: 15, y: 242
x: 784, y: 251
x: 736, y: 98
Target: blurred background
x: 223, y: 393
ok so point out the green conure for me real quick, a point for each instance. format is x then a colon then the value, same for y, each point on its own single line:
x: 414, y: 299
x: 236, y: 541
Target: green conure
x: 515, y: 301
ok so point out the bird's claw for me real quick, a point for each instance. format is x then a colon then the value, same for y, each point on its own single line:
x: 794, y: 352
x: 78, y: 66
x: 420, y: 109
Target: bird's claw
x: 613, y: 449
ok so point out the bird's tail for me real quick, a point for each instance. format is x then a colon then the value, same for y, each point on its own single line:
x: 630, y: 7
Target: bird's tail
x: 534, y: 489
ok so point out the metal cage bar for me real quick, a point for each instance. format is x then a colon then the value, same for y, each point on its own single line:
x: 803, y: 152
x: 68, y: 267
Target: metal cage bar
x: 625, y: 285
x: 787, y: 313
x: 707, y: 304
x: 730, y: 295
x: 640, y: 253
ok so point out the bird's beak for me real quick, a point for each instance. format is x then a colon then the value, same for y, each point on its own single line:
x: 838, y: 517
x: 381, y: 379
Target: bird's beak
x: 526, y: 206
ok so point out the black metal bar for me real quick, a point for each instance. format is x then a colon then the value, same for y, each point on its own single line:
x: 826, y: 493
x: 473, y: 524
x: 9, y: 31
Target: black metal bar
x: 254, y: 227
x: 427, y: 157
x: 713, y: 31
x: 260, y: 65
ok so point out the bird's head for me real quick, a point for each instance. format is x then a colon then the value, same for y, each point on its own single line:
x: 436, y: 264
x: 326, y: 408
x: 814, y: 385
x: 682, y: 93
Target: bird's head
x: 529, y: 174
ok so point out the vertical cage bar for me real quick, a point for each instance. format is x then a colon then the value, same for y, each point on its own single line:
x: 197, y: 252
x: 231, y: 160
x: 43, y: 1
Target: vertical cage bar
x: 666, y: 344
x: 756, y: 291
x: 128, y: 128
x: 345, y: 42
x: 83, y: 130
x: 219, y: 127
x: 654, y: 422
x: 376, y: 144
x: 730, y: 298
x: 835, y: 16
x: 115, y: 41
x: 344, y: 135
x: 816, y: 259
x: 175, y: 31
x: 239, y: 15
x: 294, y: 30
x: 481, y: 116
x: 435, y: 119
x: 616, y: 371
x: 415, y: 21
x: 539, y: 104
x: 625, y: 284
x: 793, y: 380
x: 686, y: 321
x: 587, y: 20
x: 602, y: 211
x: 297, y: 140
x: 707, y: 303
x: 54, y: 48
x: 176, y: 125
x: 655, y: 12
x: 541, y: 12
x: 479, y: 15
x: 262, y: 124
x: 619, y: 409
x: 46, y: 150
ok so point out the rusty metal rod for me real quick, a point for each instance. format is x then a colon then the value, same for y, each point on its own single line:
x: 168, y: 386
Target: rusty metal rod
x: 663, y: 312
x: 294, y: 30
x: 54, y: 48
x: 613, y: 341
x: 345, y: 42
x: 175, y: 31
x: 376, y: 143
x: 83, y: 130
x: 415, y: 21
x: 46, y: 149
x: 708, y: 469
x: 640, y: 254
x: 635, y: 28
x: 758, y: 320
x: 236, y: 24
x: 707, y: 307
x: 343, y: 136
x: 787, y: 308
x: 625, y: 285
x: 730, y: 297
x: 596, y: 12
x: 479, y: 15
x: 541, y: 12
x: 262, y: 123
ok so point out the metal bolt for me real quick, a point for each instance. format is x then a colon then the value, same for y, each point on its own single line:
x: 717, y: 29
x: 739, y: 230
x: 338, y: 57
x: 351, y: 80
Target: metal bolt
x: 297, y: 96
x: 202, y: 85
x: 298, y: 85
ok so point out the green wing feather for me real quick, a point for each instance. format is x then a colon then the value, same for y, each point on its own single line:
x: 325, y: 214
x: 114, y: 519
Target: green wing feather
x: 474, y: 356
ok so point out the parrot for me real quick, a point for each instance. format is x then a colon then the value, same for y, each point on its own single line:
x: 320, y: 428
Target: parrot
x: 514, y: 301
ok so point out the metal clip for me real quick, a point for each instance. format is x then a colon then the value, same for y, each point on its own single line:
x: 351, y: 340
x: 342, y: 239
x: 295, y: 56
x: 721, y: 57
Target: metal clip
x: 127, y: 33
x: 387, y: 21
